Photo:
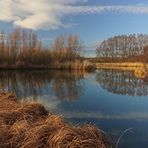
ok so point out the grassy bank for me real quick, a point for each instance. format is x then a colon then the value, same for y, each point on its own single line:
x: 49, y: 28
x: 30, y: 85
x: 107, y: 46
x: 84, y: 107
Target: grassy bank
x: 122, y: 65
x: 77, y: 65
x: 30, y: 125
x: 54, y: 66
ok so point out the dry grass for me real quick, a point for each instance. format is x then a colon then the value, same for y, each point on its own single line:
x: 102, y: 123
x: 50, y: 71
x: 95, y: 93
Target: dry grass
x: 29, y: 125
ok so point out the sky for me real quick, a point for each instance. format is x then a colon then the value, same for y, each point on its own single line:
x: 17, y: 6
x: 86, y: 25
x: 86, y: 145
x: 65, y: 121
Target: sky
x: 92, y: 20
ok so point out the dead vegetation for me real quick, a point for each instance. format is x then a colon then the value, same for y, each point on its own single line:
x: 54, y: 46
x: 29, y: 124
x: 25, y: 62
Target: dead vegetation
x: 30, y: 125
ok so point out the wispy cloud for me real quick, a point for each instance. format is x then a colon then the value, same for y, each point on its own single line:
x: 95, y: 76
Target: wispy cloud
x: 48, y: 14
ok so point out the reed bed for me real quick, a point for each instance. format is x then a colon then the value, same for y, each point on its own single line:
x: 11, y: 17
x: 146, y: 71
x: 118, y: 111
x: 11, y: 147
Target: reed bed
x: 30, y: 125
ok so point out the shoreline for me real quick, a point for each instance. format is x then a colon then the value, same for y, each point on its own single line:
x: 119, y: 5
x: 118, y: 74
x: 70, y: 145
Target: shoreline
x: 122, y: 65
x: 77, y: 65
x: 86, y: 65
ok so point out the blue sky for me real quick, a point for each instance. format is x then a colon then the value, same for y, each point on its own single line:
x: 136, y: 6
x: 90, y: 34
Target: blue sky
x: 93, y: 20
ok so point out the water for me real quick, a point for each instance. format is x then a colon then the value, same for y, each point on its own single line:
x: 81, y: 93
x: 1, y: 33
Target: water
x: 112, y: 100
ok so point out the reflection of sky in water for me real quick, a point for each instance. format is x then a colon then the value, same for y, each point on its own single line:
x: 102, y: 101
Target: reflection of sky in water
x: 112, y: 113
x: 93, y: 104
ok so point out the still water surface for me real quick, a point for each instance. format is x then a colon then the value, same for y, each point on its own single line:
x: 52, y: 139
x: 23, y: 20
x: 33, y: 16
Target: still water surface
x: 112, y: 100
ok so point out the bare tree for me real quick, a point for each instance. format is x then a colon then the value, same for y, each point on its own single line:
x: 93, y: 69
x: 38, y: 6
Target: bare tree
x: 123, y: 47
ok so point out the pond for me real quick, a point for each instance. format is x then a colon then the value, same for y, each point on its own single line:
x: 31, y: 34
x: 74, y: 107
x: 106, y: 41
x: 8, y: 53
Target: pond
x: 112, y: 100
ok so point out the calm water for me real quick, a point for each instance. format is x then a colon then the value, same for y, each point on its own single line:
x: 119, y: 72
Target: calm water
x: 112, y: 100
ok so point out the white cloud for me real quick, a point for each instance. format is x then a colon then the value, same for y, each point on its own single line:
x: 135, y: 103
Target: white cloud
x: 48, y: 14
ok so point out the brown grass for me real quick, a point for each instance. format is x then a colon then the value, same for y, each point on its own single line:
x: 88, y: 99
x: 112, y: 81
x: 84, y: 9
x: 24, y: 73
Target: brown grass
x: 29, y: 125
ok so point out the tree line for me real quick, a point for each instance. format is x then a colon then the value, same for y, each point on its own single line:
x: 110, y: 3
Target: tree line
x: 124, y: 48
x: 23, y: 48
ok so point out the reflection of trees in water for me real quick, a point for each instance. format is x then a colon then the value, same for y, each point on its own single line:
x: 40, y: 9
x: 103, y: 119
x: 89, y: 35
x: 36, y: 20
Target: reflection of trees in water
x: 65, y: 85
x: 122, y: 82
x: 68, y: 85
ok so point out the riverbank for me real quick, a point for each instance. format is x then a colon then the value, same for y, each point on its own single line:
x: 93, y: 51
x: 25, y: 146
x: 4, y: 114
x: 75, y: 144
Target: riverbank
x: 122, y: 65
x: 29, y: 124
x: 76, y: 65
